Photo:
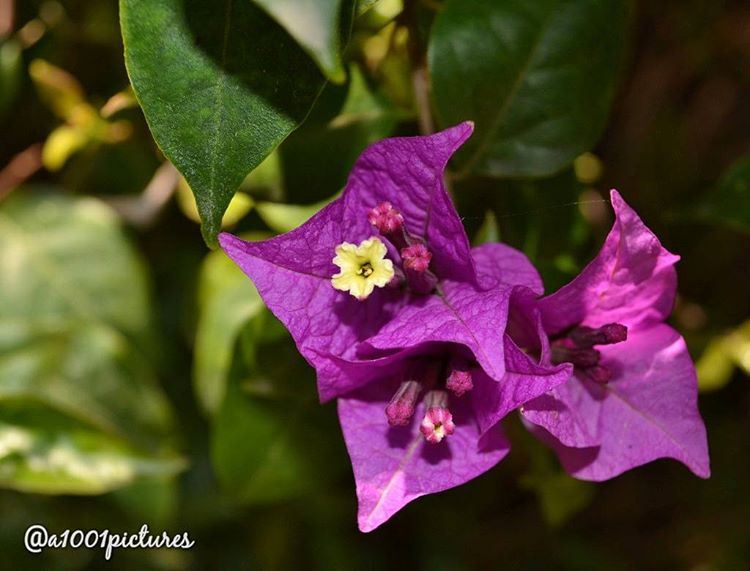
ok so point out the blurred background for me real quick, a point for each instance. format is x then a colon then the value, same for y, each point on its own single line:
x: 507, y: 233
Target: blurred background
x: 143, y: 381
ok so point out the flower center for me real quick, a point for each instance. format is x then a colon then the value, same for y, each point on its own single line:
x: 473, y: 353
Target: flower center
x: 366, y: 269
x: 362, y: 267
x: 577, y: 347
x: 415, y: 255
x: 437, y: 422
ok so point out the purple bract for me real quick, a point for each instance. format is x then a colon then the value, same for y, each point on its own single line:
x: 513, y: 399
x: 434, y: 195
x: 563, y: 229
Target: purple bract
x: 404, y: 323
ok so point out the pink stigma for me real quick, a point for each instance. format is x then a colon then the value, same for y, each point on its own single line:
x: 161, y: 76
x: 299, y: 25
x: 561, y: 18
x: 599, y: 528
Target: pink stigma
x: 416, y: 258
x: 386, y: 218
x: 459, y: 380
x: 401, y: 408
x: 438, y: 421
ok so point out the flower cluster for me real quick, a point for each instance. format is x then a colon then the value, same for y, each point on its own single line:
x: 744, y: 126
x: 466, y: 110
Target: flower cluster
x: 428, y: 343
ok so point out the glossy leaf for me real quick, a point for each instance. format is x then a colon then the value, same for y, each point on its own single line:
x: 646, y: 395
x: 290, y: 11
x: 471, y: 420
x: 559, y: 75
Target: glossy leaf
x: 225, y: 89
x: 315, y: 26
x: 537, y: 78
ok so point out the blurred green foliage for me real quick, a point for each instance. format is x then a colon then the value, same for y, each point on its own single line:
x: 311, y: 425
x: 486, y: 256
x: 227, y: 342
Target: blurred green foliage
x: 143, y: 381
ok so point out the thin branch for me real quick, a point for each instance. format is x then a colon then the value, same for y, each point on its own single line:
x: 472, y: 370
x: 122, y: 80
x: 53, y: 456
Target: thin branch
x: 421, y: 85
x: 6, y: 18
x: 20, y: 168
x: 141, y: 211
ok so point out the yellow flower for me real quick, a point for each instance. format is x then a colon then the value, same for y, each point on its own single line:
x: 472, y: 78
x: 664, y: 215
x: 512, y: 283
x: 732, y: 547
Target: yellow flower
x: 363, y: 267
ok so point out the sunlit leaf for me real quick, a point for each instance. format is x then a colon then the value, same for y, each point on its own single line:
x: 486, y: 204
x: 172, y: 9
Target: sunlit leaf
x: 72, y: 461
x: 537, y: 78
x: 221, y: 94
x: 718, y: 361
x: 59, y: 90
x: 285, y: 217
x: 74, y: 319
x: 61, y: 144
x: 238, y: 207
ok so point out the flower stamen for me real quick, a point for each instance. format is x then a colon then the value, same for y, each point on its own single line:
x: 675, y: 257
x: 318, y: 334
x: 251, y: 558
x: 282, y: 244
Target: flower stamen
x: 416, y: 261
x: 401, y: 408
x: 578, y: 348
x: 459, y: 379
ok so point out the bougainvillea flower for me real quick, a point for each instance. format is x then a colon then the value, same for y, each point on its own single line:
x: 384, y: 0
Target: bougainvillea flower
x: 633, y: 395
x: 403, y: 322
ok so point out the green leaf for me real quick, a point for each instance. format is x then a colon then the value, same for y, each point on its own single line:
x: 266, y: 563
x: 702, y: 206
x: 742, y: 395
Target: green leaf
x: 87, y: 371
x: 488, y: 231
x: 537, y: 78
x: 221, y: 85
x: 10, y: 73
x: 560, y: 496
x: 364, y: 5
x: 73, y: 316
x: 64, y: 259
x: 154, y: 500
x: 318, y: 157
x: 265, y: 451
x: 718, y: 361
x: 730, y: 202
x: 227, y: 301
x: 72, y: 460
x: 285, y: 217
x: 315, y: 26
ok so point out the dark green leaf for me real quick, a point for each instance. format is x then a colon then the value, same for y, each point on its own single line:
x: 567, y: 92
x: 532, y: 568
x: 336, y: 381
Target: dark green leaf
x: 560, y: 496
x: 537, y: 78
x: 488, y: 231
x: 315, y: 26
x: 268, y: 450
x: 318, y: 157
x: 730, y: 201
x: 221, y: 85
x: 10, y: 73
